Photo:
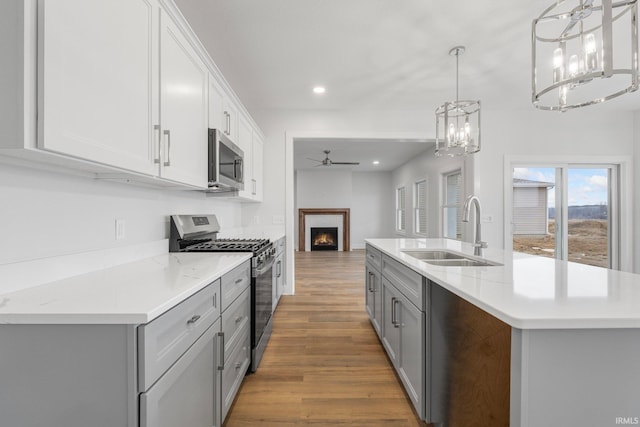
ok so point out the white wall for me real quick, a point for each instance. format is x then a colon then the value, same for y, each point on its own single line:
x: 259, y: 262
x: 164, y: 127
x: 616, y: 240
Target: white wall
x: 47, y: 214
x: 636, y: 190
x: 367, y: 195
x: 372, y: 210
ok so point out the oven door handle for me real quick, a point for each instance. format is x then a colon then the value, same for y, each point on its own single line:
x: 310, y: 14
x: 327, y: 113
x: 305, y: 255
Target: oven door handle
x: 265, y: 267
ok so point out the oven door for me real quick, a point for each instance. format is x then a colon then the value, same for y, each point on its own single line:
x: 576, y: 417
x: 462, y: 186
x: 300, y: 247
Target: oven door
x: 262, y: 301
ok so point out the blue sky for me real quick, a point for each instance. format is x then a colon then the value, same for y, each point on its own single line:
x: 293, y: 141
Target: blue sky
x: 586, y: 186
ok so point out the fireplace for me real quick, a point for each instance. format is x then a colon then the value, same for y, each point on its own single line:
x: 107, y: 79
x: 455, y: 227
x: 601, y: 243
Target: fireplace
x: 324, y: 238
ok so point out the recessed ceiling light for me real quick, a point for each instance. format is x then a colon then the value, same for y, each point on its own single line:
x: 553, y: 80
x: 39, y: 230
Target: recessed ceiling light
x: 319, y: 89
x: 376, y: 162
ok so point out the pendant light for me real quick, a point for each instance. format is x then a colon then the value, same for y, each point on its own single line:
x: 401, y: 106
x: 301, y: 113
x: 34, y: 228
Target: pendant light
x: 574, y: 60
x: 457, y: 122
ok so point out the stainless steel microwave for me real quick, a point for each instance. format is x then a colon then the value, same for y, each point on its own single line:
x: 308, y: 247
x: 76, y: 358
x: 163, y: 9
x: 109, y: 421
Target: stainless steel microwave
x: 226, y: 163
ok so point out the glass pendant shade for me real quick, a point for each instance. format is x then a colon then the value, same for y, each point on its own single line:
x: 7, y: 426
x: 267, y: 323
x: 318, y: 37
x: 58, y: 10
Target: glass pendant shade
x: 457, y: 123
x: 575, y: 61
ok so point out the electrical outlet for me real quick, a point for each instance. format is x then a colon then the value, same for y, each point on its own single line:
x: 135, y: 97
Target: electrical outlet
x: 120, y: 229
x: 278, y: 219
x: 256, y: 220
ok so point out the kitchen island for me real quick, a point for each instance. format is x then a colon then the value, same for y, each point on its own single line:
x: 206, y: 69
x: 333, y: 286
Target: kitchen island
x: 531, y: 341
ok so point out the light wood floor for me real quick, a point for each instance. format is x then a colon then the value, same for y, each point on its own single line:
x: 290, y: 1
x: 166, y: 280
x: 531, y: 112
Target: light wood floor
x: 324, y: 364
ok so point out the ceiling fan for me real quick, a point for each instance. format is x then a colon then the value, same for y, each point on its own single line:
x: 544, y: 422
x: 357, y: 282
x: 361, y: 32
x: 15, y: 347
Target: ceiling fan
x: 328, y: 162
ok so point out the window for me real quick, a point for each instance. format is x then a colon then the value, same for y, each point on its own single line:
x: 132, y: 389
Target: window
x: 400, y: 210
x: 420, y: 207
x: 567, y: 211
x: 452, y: 206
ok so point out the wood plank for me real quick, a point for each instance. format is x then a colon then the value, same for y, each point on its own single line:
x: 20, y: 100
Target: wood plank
x: 324, y: 364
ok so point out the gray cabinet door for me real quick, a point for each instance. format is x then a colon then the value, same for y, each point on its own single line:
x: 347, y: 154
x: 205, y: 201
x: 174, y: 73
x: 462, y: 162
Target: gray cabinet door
x: 390, y: 330
x: 373, y: 296
x: 411, y: 358
x: 185, y: 394
x: 403, y: 336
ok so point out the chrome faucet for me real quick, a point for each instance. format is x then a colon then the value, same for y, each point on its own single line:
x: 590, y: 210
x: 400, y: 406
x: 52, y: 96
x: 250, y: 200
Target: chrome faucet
x: 478, y: 244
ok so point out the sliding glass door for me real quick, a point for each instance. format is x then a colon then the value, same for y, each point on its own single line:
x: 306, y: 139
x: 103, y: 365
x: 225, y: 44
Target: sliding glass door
x: 567, y: 211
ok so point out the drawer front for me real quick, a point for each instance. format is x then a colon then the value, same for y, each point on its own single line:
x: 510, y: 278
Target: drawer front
x: 234, y: 283
x: 235, y: 317
x: 374, y: 257
x: 405, y: 280
x: 236, y: 365
x: 162, y: 341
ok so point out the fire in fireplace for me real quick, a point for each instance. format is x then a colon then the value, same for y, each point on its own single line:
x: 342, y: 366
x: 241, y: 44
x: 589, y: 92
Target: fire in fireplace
x: 324, y: 239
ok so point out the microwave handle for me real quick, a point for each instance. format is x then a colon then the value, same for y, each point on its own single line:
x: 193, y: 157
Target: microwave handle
x: 237, y: 169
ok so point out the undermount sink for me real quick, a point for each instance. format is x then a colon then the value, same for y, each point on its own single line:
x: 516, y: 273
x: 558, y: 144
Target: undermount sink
x: 424, y: 255
x: 462, y: 262
x: 450, y: 259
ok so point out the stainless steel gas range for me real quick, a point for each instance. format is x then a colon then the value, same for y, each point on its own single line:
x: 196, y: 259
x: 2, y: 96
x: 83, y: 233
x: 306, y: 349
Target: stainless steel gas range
x: 198, y: 233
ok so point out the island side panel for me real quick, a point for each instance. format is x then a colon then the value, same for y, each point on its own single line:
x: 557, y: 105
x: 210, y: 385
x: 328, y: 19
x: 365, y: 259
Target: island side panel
x: 67, y: 375
x: 575, y: 377
x: 470, y: 363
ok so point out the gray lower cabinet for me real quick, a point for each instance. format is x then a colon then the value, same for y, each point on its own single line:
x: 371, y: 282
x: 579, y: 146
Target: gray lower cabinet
x: 279, y: 271
x: 236, y: 335
x: 396, y: 301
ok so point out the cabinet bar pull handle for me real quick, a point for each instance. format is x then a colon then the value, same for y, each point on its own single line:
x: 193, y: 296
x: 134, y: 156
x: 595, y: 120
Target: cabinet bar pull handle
x: 393, y: 311
x: 215, y: 300
x: 157, y: 128
x: 221, y: 351
x: 193, y: 319
x: 396, y: 323
x: 239, y: 280
x: 168, y: 137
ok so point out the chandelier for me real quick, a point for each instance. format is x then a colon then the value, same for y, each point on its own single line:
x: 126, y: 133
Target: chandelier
x: 574, y: 60
x: 457, y: 122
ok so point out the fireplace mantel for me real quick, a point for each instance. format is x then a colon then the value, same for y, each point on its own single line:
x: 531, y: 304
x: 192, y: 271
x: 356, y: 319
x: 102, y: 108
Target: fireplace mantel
x: 323, y: 211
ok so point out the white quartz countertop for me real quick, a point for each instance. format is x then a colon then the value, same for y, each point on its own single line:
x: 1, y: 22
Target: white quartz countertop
x: 527, y: 291
x: 131, y: 293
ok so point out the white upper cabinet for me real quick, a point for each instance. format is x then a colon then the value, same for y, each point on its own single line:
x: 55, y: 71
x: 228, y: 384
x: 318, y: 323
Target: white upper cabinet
x: 223, y: 114
x: 257, y: 166
x: 96, y: 97
x: 184, y: 102
x: 118, y: 89
x: 245, y: 136
x: 251, y: 143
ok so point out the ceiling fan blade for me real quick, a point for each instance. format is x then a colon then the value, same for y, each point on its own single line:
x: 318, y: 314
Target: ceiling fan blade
x: 309, y: 158
x: 345, y: 163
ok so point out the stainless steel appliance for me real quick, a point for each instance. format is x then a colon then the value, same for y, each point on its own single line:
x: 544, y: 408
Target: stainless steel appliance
x: 226, y: 163
x: 198, y: 233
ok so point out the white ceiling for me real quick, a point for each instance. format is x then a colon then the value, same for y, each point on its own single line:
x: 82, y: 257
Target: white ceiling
x: 373, y: 54
x: 390, y: 154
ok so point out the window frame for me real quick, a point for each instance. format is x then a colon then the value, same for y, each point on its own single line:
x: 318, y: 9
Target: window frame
x: 417, y: 209
x: 445, y: 204
x: 401, y: 211
x: 620, y: 244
